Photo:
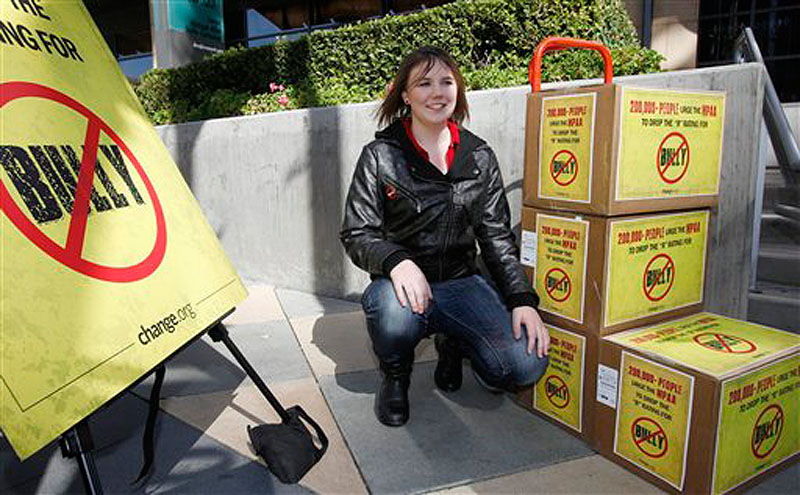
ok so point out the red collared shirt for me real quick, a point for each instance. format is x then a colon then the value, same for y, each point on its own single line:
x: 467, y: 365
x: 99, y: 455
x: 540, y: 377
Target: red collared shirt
x: 451, y: 151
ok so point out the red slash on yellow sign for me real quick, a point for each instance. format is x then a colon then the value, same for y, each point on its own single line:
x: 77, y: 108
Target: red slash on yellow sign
x: 758, y: 425
x: 35, y: 194
x: 565, y: 151
x: 653, y: 417
x: 681, y: 132
x: 561, y: 264
x: 664, y: 255
x: 710, y: 343
x: 560, y: 394
x: 108, y: 265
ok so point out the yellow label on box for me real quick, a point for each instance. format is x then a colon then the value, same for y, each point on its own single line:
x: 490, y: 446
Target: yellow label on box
x: 565, y: 147
x: 559, y: 394
x: 655, y: 264
x: 653, y: 418
x: 670, y: 143
x: 713, y: 344
x: 108, y: 265
x: 759, y: 423
x: 561, y: 265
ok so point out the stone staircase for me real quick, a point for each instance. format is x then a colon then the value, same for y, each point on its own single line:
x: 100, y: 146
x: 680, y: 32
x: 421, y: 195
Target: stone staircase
x: 775, y: 299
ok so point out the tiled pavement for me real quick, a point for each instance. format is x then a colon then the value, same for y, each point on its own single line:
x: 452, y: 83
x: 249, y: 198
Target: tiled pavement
x: 315, y: 352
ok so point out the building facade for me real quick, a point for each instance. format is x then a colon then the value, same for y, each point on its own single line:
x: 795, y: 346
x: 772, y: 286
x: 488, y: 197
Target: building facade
x: 689, y: 33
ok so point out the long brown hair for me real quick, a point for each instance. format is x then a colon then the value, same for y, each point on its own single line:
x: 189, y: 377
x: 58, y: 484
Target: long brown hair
x: 393, y: 106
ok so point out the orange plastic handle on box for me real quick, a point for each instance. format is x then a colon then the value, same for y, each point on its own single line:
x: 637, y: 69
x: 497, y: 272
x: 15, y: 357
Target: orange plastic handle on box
x: 557, y: 43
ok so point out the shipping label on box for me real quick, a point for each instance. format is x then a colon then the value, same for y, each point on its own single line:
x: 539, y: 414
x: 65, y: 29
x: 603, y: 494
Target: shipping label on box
x: 655, y: 264
x: 559, y: 394
x: 758, y: 423
x: 653, y: 417
x: 713, y: 344
x: 670, y: 143
x: 528, y: 249
x: 565, y: 147
x: 607, y: 385
x: 561, y: 265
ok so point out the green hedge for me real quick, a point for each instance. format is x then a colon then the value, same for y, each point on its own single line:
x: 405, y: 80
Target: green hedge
x: 492, y: 40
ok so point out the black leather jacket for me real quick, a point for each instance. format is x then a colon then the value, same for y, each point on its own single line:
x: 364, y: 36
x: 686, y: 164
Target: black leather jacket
x: 401, y: 207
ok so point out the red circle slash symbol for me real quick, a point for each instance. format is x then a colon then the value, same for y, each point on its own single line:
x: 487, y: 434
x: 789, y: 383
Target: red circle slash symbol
x: 767, y: 431
x: 556, y: 391
x: 658, y: 274
x: 564, y: 168
x: 724, y: 343
x: 649, y: 437
x: 672, y: 159
x: 557, y: 281
x: 70, y: 255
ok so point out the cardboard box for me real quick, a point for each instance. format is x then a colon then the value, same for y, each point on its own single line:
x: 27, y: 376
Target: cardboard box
x: 616, y: 150
x: 565, y: 394
x: 704, y: 404
x: 600, y: 275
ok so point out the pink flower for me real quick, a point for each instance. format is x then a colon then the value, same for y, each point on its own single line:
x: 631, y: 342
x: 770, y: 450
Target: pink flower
x: 280, y: 87
x: 273, y: 87
x: 283, y: 100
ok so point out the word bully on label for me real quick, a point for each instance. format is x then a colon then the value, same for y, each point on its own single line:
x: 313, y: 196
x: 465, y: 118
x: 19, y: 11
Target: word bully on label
x: 767, y: 430
x: 46, y: 176
x: 560, y: 284
x: 643, y: 434
x: 659, y: 276
x: 673, y: 157
x: 556, y: 391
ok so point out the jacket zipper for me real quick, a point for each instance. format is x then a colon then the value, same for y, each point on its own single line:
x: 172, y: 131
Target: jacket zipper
x: 450, y: 207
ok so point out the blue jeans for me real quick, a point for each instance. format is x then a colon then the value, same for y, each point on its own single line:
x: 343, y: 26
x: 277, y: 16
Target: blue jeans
x: 468, y: 309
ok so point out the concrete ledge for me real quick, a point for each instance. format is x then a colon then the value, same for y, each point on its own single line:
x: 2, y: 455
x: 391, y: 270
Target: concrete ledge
x: 273, y: 186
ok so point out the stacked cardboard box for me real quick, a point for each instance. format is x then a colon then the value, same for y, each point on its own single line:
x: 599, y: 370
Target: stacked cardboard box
x: 615, y: 228
x: 598, y: 275
x: 614, y: 150
x: 602, y: 165
x: 701, y: 404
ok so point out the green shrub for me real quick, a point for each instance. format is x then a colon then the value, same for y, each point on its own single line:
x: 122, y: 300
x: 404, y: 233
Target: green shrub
x: 492, y: 40
x: 274, y: 100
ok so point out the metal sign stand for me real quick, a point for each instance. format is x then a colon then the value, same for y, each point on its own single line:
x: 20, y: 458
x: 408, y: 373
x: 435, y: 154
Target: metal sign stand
x: 77, y: 443
x: 219, y: 333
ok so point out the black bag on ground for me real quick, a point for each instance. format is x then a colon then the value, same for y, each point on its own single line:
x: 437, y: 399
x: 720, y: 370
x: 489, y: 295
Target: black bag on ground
x: 288, y: 448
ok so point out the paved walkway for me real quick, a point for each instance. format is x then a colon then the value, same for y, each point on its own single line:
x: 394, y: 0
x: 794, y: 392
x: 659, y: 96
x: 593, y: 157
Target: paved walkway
x: 315, y: 352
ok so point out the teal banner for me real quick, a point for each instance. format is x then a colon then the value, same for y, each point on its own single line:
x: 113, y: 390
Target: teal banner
x: 201, y: 19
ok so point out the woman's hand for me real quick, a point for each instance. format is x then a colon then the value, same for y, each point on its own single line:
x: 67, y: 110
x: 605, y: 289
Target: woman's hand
x: 410, y: 286
x: 528, y: 317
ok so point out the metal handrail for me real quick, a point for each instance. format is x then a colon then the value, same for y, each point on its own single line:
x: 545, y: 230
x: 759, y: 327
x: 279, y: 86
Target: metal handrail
x: 780, y: 133
x: 783, y: 143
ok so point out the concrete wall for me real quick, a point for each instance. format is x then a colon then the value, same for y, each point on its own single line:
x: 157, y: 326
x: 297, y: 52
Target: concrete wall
x: 273, y: 186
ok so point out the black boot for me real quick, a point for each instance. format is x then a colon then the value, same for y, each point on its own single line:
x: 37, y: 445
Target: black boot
x: 448, y: 370
x: 391, y: 401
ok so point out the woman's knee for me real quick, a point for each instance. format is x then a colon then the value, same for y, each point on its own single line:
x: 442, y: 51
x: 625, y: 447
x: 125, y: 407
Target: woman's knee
x: 389, y: 323
x: 528, y: 371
